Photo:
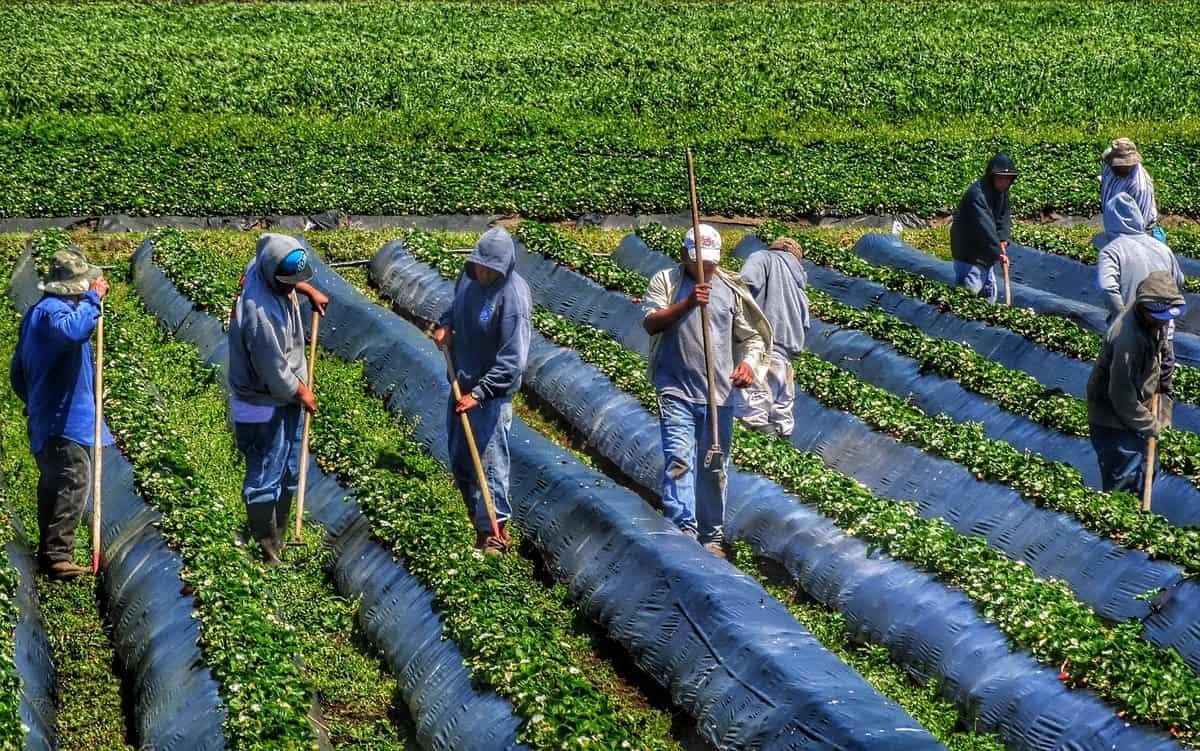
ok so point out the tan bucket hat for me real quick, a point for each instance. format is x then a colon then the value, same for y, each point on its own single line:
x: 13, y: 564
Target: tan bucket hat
x: 1122, y: 153
x: 70, y: 274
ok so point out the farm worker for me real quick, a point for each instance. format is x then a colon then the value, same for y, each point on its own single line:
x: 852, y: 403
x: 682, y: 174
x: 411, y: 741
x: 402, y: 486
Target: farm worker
x: 1123, y: 173
x: 777, y: 281
x: 692, y: 494
x: 268, y: 374
x: 1130, y: 255
x: 52, y: 372
x: 1137, y: 361
x: 487, y: 330
x: 982, y: 228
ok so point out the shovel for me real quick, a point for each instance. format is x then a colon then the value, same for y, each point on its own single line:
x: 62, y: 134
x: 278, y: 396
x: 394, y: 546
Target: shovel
x: 714, y: 457
x: 97, y: 453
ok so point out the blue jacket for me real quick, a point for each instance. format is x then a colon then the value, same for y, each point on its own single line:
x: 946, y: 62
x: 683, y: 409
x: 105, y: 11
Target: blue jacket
x: 52, y: 370
x: 983, y: 219
x: 491, y: 325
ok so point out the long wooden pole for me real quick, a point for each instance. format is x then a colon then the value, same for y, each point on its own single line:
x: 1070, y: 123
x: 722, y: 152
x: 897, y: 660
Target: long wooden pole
x: 97, y: 439
x: 480, y: 475
x: 1151, y: 448
x: 714, y: 454
x: 302, y: 480
x: 1007, y: 288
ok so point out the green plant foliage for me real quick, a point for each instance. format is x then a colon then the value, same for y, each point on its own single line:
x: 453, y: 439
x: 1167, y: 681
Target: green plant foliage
x: 12, y: 730
x: 574, y: 255
x: 568, y: 106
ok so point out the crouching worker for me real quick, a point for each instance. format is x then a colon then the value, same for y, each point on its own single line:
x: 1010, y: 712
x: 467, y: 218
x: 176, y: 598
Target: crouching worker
x: 268, y: 374
x: 982, y: 228
x: 777, y: 281
x: 692, y: 495
x: 487, y: 332
x: 1136, y: 362
x: 52, y: 372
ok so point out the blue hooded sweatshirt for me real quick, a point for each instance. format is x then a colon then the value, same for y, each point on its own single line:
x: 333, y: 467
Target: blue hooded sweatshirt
x: 266, y: 336
x: 491, y: 325
x: 52, y: 371
x: 983, y: 219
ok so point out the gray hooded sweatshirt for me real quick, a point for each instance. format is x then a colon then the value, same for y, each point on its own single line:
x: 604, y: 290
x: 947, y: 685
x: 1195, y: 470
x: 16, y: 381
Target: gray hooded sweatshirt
x: 1134, y: 363
x: 266, y: 338
x: 1130, y: 255
x: 777, y: 281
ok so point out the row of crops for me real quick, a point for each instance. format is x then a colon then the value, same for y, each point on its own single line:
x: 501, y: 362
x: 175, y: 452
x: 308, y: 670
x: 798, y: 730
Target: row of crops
x: 570, y: 106
x: 935, y: 530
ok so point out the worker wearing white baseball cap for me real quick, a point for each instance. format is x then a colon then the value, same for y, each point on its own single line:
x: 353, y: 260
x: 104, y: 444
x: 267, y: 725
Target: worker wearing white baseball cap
x: 692, y: 494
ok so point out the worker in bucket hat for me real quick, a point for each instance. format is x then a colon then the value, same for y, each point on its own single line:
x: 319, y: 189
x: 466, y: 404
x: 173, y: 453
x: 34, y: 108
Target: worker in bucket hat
x: 1123, y: 172
x: 1136, y: 362
x: 53, y: 373
x: 268, y: 374
x: 692, y: 494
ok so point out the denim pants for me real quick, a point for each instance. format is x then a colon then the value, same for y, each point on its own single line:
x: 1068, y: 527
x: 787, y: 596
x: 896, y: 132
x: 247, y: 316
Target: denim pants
x: 692, y: 497
x: 978, y: 279
x: 1122, y: 458
x: 64, y: 483
x: 272, y: 451
x: 491, y: 422
x: 766, y: 406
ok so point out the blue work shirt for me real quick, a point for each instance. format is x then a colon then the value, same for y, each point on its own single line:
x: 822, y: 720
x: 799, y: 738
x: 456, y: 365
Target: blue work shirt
x: 52, y: 370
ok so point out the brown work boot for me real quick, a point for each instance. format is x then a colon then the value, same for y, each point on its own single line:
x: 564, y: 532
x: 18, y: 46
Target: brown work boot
x: 64, y: 571
x: 495, y: 546
x: 716, y: 549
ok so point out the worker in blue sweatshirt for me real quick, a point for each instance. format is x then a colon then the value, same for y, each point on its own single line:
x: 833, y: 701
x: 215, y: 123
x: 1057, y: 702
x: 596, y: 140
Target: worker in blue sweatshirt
x: 268, y: 374
x: 52, y: 372
x: 982, y: 228
x: 487, y: 329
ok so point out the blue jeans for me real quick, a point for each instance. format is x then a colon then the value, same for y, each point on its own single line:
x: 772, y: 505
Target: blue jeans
x: 272, y: 451
x: 979, y: 279
x: 692, y: 496
x: 490, y: 423
x: 1122, y: 458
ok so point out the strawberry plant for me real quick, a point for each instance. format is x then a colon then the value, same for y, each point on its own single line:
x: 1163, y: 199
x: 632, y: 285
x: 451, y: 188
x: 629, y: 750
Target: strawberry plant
x: 576, y: 256
x: 12, y: 732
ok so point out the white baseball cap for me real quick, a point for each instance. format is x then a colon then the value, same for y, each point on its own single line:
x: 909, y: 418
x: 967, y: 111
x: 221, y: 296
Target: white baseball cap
x: 710, y: 244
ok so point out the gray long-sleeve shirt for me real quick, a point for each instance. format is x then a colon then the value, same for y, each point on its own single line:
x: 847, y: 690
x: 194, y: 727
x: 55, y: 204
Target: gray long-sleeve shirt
x: 778, y: 281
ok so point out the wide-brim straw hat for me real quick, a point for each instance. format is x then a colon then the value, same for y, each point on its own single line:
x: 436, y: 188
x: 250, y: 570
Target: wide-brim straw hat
x: 70, y: 274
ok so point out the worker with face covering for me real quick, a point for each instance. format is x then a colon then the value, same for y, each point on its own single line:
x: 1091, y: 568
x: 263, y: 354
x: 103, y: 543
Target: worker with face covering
x: 487, y: 329
x: 1136, y: 362
x: 693, y: 496
x: 268, y: 374
x: 1123, y: 172
x: 777, y: 280
x: 982, y: 228
x: 1130, y: 255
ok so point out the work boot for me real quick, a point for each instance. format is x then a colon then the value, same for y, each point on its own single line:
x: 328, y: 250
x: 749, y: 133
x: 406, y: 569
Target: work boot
x: 497, y: 546
x: 481, y: 539
x: 716, y: 549
x: 64, y: 571
x: 261, y: 520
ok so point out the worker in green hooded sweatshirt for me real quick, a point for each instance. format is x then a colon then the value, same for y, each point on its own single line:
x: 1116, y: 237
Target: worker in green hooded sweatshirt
x: 1136, y: 362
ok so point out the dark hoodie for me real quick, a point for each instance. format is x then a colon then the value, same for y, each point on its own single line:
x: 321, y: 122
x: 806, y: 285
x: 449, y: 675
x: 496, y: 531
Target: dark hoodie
x: 491, y: 325
x: 983, y: 219
x: 1135, y: 363
x: 266, y: 337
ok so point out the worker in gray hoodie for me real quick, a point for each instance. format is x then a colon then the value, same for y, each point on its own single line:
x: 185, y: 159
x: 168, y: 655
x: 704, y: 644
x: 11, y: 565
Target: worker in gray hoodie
x: 1135, y: 363
x: 1130, y: 255
x: 777, y: 280
x: 268, y: 374
x: 487, y: 329
x: 982, y: 228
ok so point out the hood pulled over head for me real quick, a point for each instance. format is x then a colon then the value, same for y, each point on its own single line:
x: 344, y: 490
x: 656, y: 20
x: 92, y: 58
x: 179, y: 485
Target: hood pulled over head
x: 1123, y: 216
x: 282, y: 261
x: 495, y: 250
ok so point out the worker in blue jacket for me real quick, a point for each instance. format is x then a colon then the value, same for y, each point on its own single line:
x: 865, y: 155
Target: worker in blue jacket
x: 52, y: 372
x: 982, y: 228
x: 487, y: 329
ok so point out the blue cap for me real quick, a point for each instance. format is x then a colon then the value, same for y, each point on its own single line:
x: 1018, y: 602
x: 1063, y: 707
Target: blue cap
x: 294, y: 268
x: 1164, y: 311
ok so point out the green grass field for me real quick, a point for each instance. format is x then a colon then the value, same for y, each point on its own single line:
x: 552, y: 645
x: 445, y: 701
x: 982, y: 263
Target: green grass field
x: 557, y: 108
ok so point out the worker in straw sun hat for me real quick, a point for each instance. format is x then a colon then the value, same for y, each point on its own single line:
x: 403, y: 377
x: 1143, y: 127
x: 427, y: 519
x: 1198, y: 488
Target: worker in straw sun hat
x: 778, y: 282
x: 1123, y: 172
x: 268, y: 374
x: 982, y: 228
x: 486, y: 330
x: 1136, y: 362
x: 693, y: 495
x: 53, y: 373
